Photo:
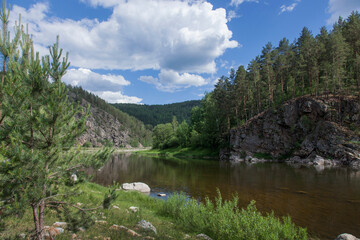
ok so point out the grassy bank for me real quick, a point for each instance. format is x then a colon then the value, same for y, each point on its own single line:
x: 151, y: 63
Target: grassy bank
x: 199, y: 153
x: 177, y: 218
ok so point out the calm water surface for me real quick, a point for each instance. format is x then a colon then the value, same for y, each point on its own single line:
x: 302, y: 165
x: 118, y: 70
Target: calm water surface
x: 326, y: 202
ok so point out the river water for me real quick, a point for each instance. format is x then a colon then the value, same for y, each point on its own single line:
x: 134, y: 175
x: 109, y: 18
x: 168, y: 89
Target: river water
x: 326, y: 202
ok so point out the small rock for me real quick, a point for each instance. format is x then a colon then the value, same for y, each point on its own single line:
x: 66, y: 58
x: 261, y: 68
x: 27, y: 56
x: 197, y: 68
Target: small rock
x: 115, y: 207
x: 187, y: 236
x: 319, y: 161
x: 51, y: 232
x: 101, y: 222
x: 60, y: 224
x: 203, y: 236
x: 22, y: 235
x: 146, y: 225
x: 133, y: 233
x: 134, y: 209
x: 119, y: 228
x: 161, y: 194
x: 74, y: 236
x: 73, y: 178
x: 346, y: 236
x: 81, y: 229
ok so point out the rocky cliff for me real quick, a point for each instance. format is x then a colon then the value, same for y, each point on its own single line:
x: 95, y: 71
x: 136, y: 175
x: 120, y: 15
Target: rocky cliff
x: 107, y: 125
x: 314, y: 130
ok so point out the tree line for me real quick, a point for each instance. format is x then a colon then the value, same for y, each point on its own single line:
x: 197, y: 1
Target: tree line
x: 325, y: 64
x: 157, y: 114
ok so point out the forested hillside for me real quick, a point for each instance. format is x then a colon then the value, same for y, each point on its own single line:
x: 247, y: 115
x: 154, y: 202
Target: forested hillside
x: 326, y: 64
x: 109, y: 125
x: 156, y: 114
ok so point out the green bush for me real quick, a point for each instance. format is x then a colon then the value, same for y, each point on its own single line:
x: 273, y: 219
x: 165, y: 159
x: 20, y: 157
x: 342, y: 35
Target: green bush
x: 224, y: 220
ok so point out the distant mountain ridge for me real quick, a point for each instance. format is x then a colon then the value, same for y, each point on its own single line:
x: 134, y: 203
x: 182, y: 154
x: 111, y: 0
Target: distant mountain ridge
x: 159, y: 114
x: 108, y: 125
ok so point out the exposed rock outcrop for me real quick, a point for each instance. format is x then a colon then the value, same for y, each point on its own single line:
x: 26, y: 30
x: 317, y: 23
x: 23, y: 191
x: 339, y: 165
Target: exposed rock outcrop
x: 102, y: 128
x: 315, y: 130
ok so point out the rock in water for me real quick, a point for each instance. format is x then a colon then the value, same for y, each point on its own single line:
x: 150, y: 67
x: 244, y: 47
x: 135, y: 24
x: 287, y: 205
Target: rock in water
x: 146, y: 225
x: 346, y: 236
x: 136, y: 186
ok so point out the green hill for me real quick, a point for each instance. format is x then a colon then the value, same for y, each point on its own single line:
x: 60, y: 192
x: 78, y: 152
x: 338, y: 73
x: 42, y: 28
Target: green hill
x: 157, y: 114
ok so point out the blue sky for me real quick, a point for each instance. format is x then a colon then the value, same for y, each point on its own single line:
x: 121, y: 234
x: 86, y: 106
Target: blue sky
x: 165, y: 51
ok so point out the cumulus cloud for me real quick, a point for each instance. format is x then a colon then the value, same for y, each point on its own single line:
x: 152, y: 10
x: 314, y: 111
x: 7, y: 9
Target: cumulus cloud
x: 117, y: 97
x: 107, y: 86
x: 183, y: 36
x: 92, y: 81
x: 238, y: 2
x: 169, y: 80
x: 341, y: 8
x: 288, y: 8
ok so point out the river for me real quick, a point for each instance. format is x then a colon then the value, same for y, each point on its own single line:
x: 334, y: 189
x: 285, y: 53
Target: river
x: 326, y: 202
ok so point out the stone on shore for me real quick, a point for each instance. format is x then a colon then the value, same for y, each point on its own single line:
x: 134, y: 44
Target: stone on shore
x: 346, y: 236
x: 134, y: 209
x: 136, y: 186
x: 146, y: 225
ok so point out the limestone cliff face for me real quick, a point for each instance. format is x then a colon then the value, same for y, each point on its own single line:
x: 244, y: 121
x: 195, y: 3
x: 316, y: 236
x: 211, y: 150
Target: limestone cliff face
x: 304, y: 127
x: 103, y: 128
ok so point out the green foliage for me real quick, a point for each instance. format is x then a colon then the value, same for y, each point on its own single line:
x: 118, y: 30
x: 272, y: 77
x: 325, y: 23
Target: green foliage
x: 87, y: 144
x: 109, y: 198
x: 159, y: 114
x: 224, y: 220
x: 75, y: 219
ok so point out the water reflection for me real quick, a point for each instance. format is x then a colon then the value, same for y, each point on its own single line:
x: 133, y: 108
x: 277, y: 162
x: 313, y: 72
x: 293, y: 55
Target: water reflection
x: 327, y: 202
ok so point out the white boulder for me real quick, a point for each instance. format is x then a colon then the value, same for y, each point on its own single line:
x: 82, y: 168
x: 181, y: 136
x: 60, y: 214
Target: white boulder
x: 136, y: 186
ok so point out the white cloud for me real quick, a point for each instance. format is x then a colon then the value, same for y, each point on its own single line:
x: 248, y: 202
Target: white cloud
x: 289, y: 8
x: 231, y: 14
x: 92, y: 81
x: 106, y: 86
x: 103, y: 3
x: 117, y: 97
x: 238, y: 2
x: 183, y: 36
x: 341, y: 8
x: 170, y: 81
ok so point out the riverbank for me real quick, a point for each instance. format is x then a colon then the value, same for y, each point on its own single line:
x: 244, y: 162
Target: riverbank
x: 177, y: 218
x: 198, y: 153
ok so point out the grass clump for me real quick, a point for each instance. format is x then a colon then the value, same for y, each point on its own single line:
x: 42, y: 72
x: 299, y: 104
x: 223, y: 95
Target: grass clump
x: 224, y: 220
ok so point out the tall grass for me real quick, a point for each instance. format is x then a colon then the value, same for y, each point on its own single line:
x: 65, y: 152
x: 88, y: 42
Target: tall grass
x: 224, y: 220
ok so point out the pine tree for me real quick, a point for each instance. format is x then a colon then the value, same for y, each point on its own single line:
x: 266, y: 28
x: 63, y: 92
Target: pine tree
x: 38, y: 129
